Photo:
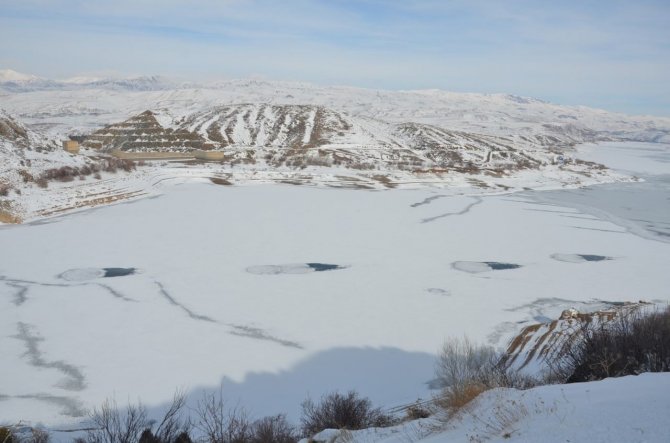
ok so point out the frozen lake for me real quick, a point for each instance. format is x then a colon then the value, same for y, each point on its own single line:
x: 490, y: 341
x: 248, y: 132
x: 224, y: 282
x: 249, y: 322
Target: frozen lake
x: 280, y: 292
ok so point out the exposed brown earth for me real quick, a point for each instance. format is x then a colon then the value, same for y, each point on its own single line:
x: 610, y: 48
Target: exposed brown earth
x: 547, y: 342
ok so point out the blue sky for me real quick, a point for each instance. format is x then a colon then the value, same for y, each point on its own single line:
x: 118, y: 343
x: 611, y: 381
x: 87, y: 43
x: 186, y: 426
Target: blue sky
x: 608, y: 53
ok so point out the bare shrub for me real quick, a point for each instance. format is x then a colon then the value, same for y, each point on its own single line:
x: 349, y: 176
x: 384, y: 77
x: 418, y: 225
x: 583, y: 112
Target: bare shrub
x: 219, y: 424
x: 38, y: 436
x: 23, y: 434
x: 63, y: 174
x: 4, y: 191
x: 131, y: 425
x: 42, y: 182
x: 148, y: 437
x: 6, y: 435
x: 68, y: 173
x: 341, y: 411
x: 461, y: 361
x: 273, y: 429
x: 26, y: 176
x: 464, y: 370
x: 633, y: 343
x: 416, y: 411
x: 183, y: 437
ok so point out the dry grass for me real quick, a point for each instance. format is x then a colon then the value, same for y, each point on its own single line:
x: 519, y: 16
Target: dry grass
x: 456, y: 397
x: 464, y: 370
x: 8, y: 217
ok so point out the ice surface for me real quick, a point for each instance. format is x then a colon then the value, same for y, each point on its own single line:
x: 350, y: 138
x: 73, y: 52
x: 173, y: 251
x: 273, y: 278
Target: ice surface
x: 194, y: 317
x: 82, y: 274
x: 297, y: 268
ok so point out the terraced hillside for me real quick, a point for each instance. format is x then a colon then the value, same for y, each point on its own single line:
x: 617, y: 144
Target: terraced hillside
x: 143, y: 133
x: 298, y: 136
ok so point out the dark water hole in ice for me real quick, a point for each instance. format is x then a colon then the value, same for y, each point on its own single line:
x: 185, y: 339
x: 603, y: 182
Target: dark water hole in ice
x: 83, y: 274
x: 475, y: 267
x: 498, y: 266
x: 591, y: 257
x: 579, y: 258
x: 294, y: 268
x: 118, y: 272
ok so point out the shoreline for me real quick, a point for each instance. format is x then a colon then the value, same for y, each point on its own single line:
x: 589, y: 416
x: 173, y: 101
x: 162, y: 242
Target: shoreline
x: 35, y: 204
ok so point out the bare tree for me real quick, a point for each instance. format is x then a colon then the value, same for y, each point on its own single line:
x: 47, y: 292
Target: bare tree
x: 131, y: 425
x: 116, y: 426
x: 172, y: 425
x: 220, y: 424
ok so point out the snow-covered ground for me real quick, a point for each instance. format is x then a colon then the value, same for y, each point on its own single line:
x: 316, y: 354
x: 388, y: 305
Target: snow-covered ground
x: 628, y: 409
x: 230, y: 285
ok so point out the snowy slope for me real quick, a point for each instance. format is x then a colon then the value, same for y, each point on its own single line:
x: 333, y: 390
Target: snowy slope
x: 24, y: 156
x: 24, y: 149
x: 616, y: 410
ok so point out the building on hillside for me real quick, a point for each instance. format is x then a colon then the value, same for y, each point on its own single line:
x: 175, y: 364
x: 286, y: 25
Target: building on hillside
x: 71, y: 146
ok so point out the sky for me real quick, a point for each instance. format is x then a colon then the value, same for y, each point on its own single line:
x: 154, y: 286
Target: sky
x: 610, y: 54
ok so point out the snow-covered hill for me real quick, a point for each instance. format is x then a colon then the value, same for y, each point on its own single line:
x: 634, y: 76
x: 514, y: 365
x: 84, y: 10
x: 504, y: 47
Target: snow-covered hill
x: 67, y: 106
x: 21, y: 147
x: 34, y: 170
x: 296, y: 132
x: 303, y: 135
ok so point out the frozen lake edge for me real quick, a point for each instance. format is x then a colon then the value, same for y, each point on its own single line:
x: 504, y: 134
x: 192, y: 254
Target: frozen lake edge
x: 295, y: 333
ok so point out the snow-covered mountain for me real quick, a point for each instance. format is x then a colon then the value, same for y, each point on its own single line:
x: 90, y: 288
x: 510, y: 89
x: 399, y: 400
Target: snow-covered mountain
x: 13, y: 81
x: 65, y: 106
x: 9, y: 75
